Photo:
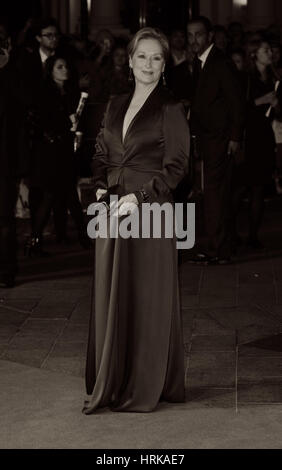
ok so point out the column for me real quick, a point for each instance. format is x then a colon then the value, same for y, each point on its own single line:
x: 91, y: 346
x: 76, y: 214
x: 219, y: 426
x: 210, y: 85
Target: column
x: 261, y: 13
x: 45, y: 8
x: 64, y: 15
x: 54, y: 9
x: 224, y: 11
x: 240, y: 11
x: 74, y: 16
x: 206, y: 8
x: 105, y: 14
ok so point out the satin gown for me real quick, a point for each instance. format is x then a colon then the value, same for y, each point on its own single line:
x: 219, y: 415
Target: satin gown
x: 135, y: 353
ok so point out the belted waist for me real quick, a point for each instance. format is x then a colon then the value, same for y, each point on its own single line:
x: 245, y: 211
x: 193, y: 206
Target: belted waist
x: 132, y: 166
x: 117, y: 174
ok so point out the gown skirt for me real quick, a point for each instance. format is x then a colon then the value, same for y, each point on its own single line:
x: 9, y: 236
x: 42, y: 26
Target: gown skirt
x: 135, y: 353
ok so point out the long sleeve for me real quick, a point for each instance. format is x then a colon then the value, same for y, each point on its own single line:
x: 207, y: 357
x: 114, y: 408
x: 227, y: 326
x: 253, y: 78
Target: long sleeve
x: 99, y: 167
x: 177, y: 151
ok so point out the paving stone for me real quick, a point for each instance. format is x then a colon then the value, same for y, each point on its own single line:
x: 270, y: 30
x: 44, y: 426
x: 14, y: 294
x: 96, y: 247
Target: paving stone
x: 81, y: 312
x: 31, y: 352
x: 256, y: 332
x: 210, y: 397
x: 7, y: 332
x: 213, y: 343
x: 241, y: 317
x: 187, y: 334
x: 61, y: 295
x: 212, y: 370
x: 52, y: 308
x: 209, y: 326
x: 279, y: 292
x: 263, y: 393
x: 189, y: 289
x: 267, y: 347
x: 189, y: 301
x: 273, y: 311
x: 188, y: 316
x: 68, y: 358
x: 187, y: 348
x: 277, y: 269
x: 250, y: 294
x: 20, y: 304
x: 42, y: 329
x: 256, y: 275
x: 189, y: 286
x: 211, y: 378
x: 211, y: 298
x: 75, y: 333
x: 191, y: 271
x: 219, y: 277
x: 10, y: 317
x: 258, y: 369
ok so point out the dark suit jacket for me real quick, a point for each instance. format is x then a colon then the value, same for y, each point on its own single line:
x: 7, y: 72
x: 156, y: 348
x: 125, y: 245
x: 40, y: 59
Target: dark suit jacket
x: 155, y: 152
x: 52, y: 157
x: 31, y: 73
x: 218, y: 107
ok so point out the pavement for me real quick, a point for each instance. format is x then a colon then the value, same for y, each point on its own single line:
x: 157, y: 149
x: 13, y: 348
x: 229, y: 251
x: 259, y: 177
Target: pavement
x: 232, y: 319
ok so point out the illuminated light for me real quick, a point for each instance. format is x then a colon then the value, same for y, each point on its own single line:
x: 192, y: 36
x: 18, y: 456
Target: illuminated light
x: 89, y: 5
x: 240, y: 3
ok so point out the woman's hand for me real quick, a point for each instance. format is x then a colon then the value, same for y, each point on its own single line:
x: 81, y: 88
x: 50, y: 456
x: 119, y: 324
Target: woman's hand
x: 125, y: 206
x: 100, y: 193
x: 269, y: 98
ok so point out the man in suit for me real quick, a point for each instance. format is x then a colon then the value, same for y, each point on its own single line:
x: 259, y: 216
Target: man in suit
x: 32, y: 71
x: 217, y: 120
x: 31, y: 65
x: 9, y: 165
x: 32, y: 61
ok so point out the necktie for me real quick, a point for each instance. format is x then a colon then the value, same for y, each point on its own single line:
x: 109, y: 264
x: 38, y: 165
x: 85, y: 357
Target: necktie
x: 197, y: 69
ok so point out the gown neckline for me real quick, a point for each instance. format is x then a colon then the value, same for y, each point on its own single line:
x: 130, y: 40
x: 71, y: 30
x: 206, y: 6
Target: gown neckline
x: 132, y: 122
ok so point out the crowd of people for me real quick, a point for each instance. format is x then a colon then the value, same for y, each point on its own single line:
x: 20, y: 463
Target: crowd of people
x: 43, y: 74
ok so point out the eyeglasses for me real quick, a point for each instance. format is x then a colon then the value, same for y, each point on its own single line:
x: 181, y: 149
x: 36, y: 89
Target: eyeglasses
x: 50, y: 35
x: 197, y: 35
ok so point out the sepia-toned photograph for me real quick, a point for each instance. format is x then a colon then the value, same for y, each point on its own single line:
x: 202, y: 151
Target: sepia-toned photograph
x: 140, y: 227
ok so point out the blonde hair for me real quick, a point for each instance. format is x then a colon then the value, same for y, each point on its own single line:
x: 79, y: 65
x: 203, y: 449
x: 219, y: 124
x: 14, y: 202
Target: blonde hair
x: 149, y: 33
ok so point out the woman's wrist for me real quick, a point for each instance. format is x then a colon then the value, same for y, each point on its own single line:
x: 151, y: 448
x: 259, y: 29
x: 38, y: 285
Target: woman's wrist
x: 142, y: 196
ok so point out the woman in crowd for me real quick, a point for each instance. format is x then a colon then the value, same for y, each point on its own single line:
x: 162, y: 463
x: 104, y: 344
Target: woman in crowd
x: 117, y: 80
x: 135, y: 349
x: 277, y: 60
x: 9, y: 135
x: 256, y: 171
x: 53, y: 164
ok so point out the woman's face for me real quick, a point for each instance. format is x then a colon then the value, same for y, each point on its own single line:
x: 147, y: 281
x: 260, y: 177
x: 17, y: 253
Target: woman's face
x: 120, y: 57
x: 148, y: 61
x: 276, y: 54
x: 238, y: 61
x: 60, y: 71
x: 264, y: 54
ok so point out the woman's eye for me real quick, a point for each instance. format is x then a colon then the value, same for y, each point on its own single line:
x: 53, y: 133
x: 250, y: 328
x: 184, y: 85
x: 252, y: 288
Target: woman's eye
x: 157, y: 58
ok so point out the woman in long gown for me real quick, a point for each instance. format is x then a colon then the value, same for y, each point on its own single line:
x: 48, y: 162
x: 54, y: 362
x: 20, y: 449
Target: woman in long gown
x: 135, y: 352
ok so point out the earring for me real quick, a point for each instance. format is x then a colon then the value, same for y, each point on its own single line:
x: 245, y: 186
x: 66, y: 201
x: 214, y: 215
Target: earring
x: 164, y: 80
x: 130, y: 78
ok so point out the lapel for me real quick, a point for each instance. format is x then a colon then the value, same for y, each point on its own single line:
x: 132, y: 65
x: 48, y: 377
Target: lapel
x: 149, y: 105
x: 208, y: 65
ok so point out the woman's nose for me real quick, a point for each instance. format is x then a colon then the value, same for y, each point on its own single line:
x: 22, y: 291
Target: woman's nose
x: 148, y: 63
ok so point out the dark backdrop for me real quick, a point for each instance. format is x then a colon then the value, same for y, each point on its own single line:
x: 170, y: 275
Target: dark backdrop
x: 16, y: 12
x: 165, y: 14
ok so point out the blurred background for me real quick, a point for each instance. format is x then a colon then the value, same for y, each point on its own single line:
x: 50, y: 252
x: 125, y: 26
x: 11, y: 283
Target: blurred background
x: 75, y: 16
